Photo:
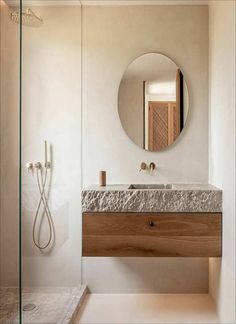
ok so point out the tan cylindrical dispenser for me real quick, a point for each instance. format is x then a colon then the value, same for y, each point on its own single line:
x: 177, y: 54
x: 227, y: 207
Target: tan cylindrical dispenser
x: 102, y: 178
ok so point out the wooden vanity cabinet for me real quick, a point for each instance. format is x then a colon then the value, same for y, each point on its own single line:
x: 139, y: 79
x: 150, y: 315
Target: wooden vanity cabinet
x: 151, y: 234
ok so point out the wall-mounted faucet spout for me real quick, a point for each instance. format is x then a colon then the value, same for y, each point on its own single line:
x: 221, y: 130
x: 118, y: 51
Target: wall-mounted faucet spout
x: 144, y: 166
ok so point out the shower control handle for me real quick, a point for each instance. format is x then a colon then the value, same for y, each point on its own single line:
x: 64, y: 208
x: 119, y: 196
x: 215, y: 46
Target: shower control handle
x: 38, y: 165
x: 29, y: 166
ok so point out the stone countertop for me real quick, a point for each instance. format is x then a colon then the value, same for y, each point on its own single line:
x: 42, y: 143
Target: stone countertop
x: 180, y: 198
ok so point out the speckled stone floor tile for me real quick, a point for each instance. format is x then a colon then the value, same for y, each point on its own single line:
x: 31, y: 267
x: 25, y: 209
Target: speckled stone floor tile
x: 9, y: 305
x: 53, y: 305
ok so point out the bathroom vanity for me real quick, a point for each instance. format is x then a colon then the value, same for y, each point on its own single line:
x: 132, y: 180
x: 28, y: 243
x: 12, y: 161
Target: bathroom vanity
x: 172, y: 220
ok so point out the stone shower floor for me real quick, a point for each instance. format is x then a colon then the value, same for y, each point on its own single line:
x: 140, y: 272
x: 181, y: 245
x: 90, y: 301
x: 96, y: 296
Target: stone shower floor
x: 53, y: 305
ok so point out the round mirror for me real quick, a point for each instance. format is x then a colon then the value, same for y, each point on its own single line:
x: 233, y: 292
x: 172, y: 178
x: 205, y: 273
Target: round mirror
x: 153, y: 101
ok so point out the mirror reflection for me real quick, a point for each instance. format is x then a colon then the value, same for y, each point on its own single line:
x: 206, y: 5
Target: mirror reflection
x: 153, y: 101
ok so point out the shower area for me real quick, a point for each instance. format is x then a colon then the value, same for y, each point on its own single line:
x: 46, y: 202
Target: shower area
x: 40, y: 96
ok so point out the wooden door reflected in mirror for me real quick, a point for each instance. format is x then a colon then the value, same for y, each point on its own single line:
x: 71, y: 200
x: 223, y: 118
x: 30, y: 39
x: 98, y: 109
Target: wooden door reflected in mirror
x: 165, y: 119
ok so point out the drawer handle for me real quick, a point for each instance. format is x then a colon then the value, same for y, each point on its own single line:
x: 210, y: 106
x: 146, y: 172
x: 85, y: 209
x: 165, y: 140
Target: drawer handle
x: 151, y: 224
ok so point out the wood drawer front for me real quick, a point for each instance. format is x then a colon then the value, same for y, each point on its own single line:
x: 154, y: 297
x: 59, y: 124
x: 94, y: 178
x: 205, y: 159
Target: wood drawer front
x: 152, y: 234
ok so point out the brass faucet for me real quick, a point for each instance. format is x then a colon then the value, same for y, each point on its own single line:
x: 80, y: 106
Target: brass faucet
x: 152, y: 166
x: 144, y: 166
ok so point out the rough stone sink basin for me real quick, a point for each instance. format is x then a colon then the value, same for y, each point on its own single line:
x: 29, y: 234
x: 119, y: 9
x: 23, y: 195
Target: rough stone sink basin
x: 149, y: 186
x: 153, y: 198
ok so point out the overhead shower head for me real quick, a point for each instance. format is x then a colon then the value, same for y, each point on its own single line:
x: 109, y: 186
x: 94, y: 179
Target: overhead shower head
x: 29, y: 18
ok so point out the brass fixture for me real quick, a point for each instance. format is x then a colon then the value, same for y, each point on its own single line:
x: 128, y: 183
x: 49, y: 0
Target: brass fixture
x: 152, y: 166
x: 143, y: 166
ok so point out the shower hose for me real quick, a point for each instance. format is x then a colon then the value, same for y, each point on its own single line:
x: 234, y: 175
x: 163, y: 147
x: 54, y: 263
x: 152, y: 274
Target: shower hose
x: 41, y: 181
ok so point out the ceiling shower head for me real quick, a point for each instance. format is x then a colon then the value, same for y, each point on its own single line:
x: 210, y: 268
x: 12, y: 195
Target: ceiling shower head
x: 29, y: 18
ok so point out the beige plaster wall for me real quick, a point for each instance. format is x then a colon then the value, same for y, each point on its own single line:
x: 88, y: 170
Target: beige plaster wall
x: 112, y: 37
x: 52, y: 111
x: 9, y: 163
x: 222, y: 148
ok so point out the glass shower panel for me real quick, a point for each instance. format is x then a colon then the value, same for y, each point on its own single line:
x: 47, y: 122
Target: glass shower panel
x: 51, y: 161
x: 9, y: 161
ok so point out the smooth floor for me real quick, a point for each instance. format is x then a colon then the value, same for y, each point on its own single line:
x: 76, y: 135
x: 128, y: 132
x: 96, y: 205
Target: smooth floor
x: 147, y: 308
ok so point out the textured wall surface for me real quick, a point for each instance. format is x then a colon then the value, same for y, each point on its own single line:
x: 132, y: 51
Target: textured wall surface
x: 52, y: 111
x: 222, y: 148
x: 112, y: 37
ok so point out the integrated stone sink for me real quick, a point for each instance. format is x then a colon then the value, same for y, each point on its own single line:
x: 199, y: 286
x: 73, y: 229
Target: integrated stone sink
x: 152, y: 198
x: 152, y: 220
x: 149, y: 186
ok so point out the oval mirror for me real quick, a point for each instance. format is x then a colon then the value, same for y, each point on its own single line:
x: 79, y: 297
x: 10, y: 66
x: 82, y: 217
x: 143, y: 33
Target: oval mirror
x: 153, y: 101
